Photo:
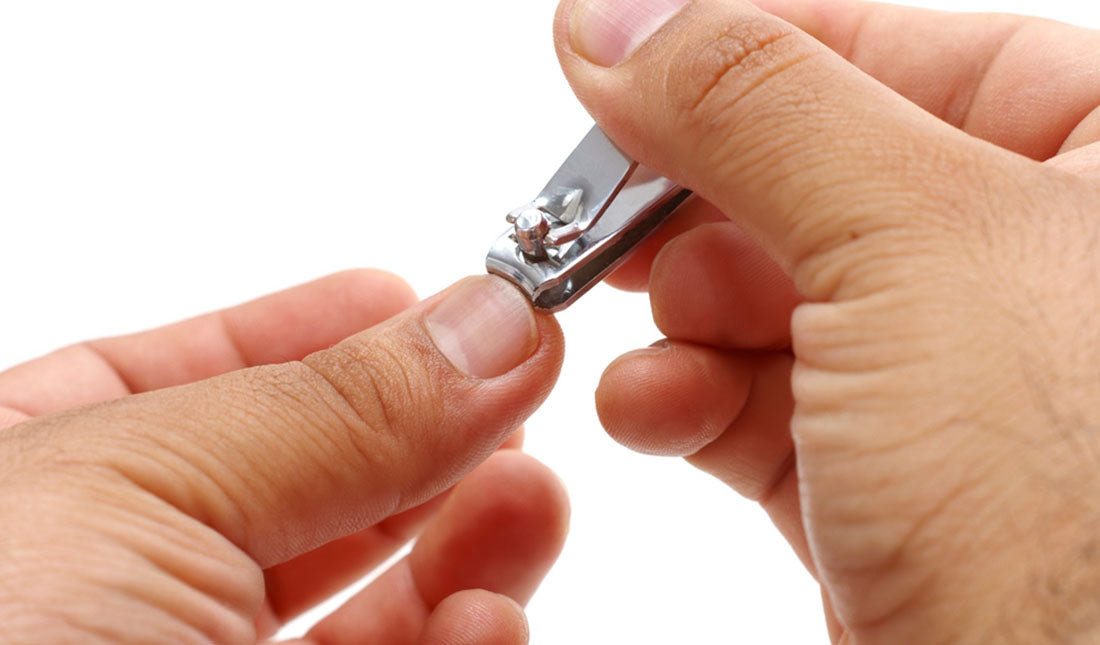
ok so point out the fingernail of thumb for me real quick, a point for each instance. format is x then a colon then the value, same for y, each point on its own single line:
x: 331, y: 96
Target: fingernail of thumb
x: 484, y: 327
x: 606, y: 32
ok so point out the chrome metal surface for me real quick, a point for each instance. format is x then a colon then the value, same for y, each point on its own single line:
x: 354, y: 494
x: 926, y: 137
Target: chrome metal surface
x: 596, y: 209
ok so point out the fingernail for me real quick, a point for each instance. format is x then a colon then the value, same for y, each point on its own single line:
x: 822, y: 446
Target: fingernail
x: 606, y: 32
x: 484, y: 327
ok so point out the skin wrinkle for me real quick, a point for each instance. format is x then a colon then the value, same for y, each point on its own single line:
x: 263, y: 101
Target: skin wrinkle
x: 1058, y: 598
x: 756, y: 160
x: 955, y: 207
x: 1069, y: 433
x: 396, y: 444
x: 219, y: 624
x: 786, y: 469
x: 143, y: 605
x: 78, y: 629
x: 388, y: 387
x: 228, y: 330
x: 334, y: 396
x: 1014, y: 35
x: 227, y: 501
x: 769, y: 488
x: 210, y: 502
x: 244, y: 424
x: 894, y: 559
x: 363, y: 454
x: 983, y: 74
x: 995, y: 227
x: 356, y: 428
x: 16, y: 413
x: 857, y: 35
x: 122, y: 378
x: 107, y: 563
x: 225, y: 584
x: 744, y: 45
x: 1091, y: 121
x: 310, y: 406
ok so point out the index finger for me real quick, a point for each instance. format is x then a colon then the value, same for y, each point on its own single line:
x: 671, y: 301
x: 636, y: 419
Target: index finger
x: 1026, y: 84
x: 283, y: 326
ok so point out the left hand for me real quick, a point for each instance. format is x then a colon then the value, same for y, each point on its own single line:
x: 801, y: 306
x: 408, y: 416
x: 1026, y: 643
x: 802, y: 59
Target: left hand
x: 153, y: 489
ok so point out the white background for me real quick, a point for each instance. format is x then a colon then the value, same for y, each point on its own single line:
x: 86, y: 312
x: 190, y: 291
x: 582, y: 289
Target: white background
x: 160, y: 159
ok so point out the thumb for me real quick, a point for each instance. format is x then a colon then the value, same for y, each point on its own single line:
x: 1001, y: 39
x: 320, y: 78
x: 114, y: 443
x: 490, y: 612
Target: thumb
x: 814, y: 157
x: 283, y: 458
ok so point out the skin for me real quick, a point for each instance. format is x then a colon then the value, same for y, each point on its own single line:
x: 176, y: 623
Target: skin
x: 200, y: 484
x: 880, y: 313
x: 879, y: 321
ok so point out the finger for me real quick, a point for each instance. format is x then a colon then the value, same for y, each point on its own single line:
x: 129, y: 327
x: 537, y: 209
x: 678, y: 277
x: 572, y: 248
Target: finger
x: 825, y: 166
x: 1012, y: 80
x: 284, y: 326
x: 511, y: 537
x: 515, y: 440
x: 281, y: 459
x: 1081, y: 161
x: 9, y: 417
x: 672, y: 399
x: 832, y: 623
x: 1025, y: 84
x: 715, y: 286
x: 501, y: 530
x: 299, y: 584
x: 476, y: 617
x: 755, y: 455
x: 295, y: 586
x: 633, y: 275
x: 743, y: 399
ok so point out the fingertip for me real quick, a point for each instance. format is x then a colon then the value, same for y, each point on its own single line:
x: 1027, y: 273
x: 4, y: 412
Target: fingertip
x: 378, y: 283
x: 525, y: 483
x: 551, y: 340
x: 484, y: 326
x: 502, y: 529
x: 671, y: 400
x: 714, y: 285
x: 518, y: 491
x: 476, y: 617
x: 635, y: 272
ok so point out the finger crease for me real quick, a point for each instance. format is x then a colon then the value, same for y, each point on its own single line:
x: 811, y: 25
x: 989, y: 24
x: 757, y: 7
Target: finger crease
x: 115, y: 369
x: 857, y: 36
x: 984, y: 73
x: 736, y: 63
x: 231, y: 339
x: 17, y: 411
x: 785, y: 470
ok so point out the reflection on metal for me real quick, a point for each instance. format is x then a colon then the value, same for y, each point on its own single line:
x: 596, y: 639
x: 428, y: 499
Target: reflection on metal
x: 596, y: 209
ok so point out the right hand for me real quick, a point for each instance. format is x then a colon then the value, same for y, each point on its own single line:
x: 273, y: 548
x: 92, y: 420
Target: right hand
x: 894, y: 345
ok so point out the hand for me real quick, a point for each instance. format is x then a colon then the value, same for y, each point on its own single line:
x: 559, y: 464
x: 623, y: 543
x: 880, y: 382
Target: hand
x: 893, y: 345
x: 196, y: 499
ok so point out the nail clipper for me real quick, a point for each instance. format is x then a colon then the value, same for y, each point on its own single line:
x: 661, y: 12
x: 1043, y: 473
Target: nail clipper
x: 597, y: 208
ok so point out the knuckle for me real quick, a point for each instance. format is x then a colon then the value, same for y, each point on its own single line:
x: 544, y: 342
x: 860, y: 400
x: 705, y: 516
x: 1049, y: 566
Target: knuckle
x: 709, y: 78
x: 386, y: 391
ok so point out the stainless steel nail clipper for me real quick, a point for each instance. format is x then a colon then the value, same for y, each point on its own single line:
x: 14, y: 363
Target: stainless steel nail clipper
x: 596, y: 209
